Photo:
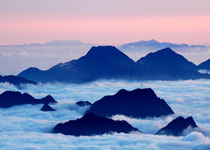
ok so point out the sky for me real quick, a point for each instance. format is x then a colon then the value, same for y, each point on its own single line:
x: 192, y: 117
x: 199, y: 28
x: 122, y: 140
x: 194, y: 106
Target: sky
x: 104, y: 22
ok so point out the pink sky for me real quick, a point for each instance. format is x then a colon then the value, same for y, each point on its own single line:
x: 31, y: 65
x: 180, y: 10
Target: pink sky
x: 104, y: 23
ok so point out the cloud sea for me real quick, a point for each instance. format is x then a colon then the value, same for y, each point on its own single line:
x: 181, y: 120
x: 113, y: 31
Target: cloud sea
x: 25, y: 127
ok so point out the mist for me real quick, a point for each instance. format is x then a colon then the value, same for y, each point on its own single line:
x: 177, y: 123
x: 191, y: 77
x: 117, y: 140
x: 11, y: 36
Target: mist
x: 31, y: 128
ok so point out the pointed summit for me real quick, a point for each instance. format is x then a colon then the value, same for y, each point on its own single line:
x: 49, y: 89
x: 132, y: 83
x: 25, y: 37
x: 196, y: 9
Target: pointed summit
x: 47, y: 107
x: 101, y: 62
x: 166, y: 64
x: 167, y: 50
x: 177, y: 126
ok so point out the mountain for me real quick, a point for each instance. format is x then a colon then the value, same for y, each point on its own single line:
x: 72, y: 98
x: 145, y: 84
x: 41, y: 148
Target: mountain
x: 15, y: 80
x: 102, y: 62
x: 177, y: 126
x: 139, y: 103
x: 107, y: 62
x: 91, y: 124
x: 165, y: 64
x: 154, y: 45
x: 11, y: 98
x: 205, y: 65
x: 47, y: 107
x: 83, y: 103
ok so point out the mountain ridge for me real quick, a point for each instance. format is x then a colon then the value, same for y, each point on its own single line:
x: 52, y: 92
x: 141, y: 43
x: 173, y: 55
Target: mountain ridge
x: 154, y: 45
x: 108, y: 62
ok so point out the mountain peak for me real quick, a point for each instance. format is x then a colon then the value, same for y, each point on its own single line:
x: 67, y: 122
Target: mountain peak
x: 167, y: 62
x: 103, y: 51
x: 138, y: 91
x: 138, y: 103
x: 191, y: 122
x: 166, y: 51
x: 47, y: 107
x: 90, y: 124
x: 177, y: 126
x: 90, y: 116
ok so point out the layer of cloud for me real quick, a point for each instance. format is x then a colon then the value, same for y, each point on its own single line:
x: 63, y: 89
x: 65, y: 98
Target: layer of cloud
x: 30, y: 128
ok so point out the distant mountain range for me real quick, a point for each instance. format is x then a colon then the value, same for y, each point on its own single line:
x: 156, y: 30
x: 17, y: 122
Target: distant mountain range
x: 53, y: 43
x: 45, y: 55
x: 107, y: 62
x: 154, y: 45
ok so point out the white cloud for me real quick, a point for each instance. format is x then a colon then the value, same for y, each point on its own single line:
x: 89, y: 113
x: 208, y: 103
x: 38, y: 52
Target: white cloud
x: 41, y: 56
x: 26, y: 127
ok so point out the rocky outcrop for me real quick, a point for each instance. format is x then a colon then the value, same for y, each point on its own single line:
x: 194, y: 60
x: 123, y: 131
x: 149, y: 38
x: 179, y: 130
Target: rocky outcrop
x: 91, y: 124
x: 177, y: 126
x: 12, y: 98
x: 139, y: 103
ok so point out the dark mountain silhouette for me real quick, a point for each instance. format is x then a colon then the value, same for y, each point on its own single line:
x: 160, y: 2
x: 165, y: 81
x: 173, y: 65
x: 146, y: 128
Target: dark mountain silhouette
x: 11, y: 98
x: 205, y: 65
x: 47, y: 99
x: 34, y: 74
x: 83, y: 103
x: 102, y: 62
x: 166, y: 64
x: 15, y: 80
x: 177, y: 126
x: 91, y: 124
x: 107, y: 62
x: 47, y: 107
x: 139, y: 103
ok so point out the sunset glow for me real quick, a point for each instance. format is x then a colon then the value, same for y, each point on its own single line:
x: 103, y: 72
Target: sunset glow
x: 103, y: 23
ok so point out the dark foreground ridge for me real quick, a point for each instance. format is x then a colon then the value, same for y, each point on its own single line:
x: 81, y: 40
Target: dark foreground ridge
x: 15, y: 80
x: 139, y: 103
x: 47, y: 107
x: 91, y: 124
x: 11, y: 98
x: 177, y: 126
x: 107, y: 62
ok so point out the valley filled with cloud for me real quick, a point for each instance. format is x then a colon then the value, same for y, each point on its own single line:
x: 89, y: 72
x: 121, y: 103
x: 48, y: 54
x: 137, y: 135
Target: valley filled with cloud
x: 26, y: 127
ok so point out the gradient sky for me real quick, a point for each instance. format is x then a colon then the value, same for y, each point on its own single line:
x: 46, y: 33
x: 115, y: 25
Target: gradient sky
x: 104, y: 22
